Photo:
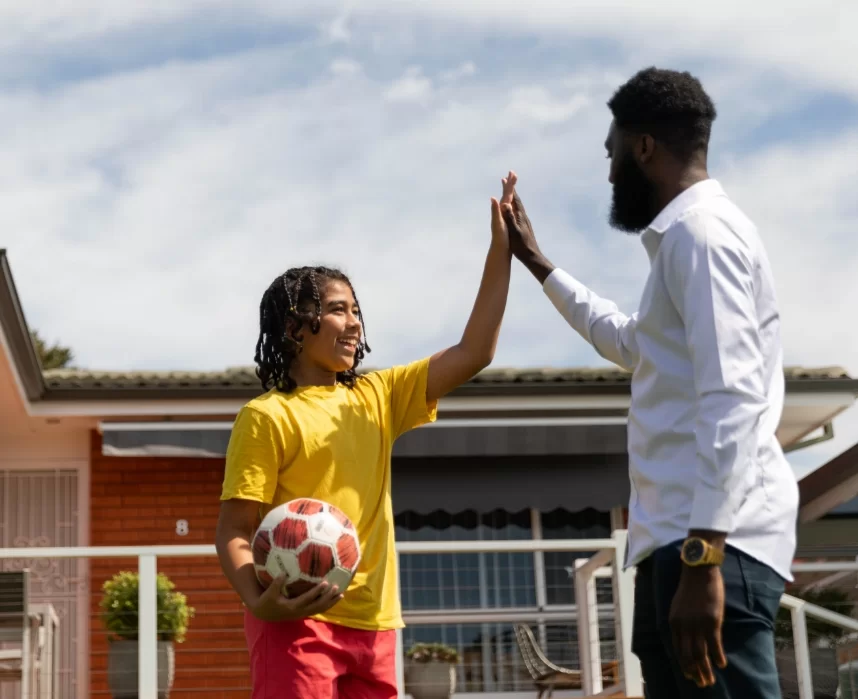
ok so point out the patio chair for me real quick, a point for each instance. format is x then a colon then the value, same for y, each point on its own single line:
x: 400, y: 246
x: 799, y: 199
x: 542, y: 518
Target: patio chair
x: 16, y: 664
x: 548, y: 676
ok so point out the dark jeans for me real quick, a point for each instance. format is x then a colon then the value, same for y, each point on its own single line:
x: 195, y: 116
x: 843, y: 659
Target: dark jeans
x: 752, y: 594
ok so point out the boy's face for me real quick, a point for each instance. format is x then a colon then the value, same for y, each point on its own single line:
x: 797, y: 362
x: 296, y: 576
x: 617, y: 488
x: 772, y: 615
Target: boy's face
x: 333, y: 347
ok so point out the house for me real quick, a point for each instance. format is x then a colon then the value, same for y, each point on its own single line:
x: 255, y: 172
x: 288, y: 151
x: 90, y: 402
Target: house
x: 136, y: 458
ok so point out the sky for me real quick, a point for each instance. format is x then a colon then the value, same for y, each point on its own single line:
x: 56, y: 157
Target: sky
x: 162, y: 163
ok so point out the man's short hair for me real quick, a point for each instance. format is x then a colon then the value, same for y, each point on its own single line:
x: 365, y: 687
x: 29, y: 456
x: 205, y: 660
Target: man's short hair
x: 669, y: 105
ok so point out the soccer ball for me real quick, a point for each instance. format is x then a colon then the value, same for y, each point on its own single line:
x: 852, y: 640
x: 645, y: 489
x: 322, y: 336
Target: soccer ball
x: 308, y: 541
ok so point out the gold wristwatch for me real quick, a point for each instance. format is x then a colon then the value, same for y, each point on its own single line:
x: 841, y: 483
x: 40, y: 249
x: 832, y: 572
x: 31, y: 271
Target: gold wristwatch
x: 699, y: 552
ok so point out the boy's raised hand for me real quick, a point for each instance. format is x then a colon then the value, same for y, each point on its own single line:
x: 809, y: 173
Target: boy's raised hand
x: 500, y: 234
x: 273, y: 605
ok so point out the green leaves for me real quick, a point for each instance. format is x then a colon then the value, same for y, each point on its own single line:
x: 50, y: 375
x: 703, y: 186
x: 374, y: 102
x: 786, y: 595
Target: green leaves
x: 53, y: 357
x: 432, y: 652
x: 120, y: 612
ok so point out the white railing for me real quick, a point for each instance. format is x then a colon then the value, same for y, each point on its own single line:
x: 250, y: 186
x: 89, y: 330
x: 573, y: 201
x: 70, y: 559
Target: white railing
x: 609, y: 553
x: 800, y: 610
x: 606, y: 562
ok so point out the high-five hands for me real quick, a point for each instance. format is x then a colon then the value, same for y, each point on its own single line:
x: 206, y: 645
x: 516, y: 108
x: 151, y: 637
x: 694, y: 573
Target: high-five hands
x: 521, y: 237
x: 522, y: 241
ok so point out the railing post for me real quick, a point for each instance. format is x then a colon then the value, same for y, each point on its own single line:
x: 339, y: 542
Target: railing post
x: 624, y: 603
x: 589, y: 650
x: 802, y: 651
x: 147, y: 680
x: 400, y: 644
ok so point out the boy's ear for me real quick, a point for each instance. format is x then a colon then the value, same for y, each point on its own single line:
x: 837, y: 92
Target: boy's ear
x: 292, y: 329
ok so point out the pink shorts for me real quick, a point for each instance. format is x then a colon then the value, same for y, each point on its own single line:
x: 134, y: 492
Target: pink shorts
x: 311, y: 659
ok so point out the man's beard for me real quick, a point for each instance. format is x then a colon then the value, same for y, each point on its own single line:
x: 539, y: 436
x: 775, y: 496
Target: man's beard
x: 634, y: 197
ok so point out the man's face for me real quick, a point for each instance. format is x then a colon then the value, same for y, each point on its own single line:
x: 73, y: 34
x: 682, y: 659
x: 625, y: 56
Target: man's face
x: 634, y: 200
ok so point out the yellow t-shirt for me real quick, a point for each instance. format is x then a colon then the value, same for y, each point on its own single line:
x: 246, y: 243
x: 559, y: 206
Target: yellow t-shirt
x: 334, y: 444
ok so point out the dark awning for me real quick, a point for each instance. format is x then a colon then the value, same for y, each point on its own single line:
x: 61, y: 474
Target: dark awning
x: 511, y: 483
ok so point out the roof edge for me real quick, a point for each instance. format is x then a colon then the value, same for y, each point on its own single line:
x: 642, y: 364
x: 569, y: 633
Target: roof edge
x: 479, y: 386
x: 17, y: 332
x: 830, y: 477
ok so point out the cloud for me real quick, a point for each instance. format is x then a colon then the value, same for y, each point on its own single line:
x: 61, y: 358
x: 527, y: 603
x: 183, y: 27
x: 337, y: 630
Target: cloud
x: 147, y: 211
x: 538, y: 104
x: 465, y: 70
x: 345, y: 66
x: 411, y: 87
x: 812, y: 42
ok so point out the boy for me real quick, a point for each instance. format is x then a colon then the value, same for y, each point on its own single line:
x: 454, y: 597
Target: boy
x: 323, y: 431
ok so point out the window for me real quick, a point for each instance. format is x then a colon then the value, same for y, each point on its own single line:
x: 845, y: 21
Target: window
x: 469, y: 580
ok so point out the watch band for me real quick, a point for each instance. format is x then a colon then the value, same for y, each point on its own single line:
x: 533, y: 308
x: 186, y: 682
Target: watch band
x: 699, y: 552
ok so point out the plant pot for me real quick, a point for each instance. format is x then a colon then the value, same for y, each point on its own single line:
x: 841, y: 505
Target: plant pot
x: 123, y: 664
x: 430, y: 680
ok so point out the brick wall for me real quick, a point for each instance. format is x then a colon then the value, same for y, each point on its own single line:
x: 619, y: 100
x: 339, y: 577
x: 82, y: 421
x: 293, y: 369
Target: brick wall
x: 137, y: 501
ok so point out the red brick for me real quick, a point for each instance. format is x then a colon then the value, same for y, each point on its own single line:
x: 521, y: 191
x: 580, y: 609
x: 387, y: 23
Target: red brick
x: 136, y: 501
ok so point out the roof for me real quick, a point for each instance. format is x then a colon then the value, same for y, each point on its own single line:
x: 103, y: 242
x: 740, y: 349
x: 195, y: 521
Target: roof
x: 245, y: 377
x: 241, y: 382
x: 832, y: 484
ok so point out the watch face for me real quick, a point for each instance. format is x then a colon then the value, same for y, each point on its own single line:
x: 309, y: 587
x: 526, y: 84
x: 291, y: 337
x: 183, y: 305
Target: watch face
x: 693, y: 550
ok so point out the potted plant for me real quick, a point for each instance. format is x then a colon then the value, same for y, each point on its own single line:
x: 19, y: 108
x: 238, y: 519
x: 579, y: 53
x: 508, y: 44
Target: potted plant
x: 119, y: 606
x: 431, y: 671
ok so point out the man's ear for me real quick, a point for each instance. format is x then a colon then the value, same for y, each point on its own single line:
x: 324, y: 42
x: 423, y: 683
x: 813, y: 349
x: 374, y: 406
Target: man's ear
x: 644, y: 148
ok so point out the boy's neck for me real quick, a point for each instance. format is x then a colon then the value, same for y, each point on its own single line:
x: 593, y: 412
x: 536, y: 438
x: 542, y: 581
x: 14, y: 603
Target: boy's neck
x: 312, y: 376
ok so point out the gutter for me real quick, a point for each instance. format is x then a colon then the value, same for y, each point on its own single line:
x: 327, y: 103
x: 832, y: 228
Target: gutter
x: 22, y: 351
x: 826, y: 436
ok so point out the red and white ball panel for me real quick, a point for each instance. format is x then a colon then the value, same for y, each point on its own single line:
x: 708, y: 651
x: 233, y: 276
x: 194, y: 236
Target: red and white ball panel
x: 308, y: 541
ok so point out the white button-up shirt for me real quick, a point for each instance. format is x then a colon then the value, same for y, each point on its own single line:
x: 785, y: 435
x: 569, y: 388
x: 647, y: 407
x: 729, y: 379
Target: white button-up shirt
x: 707, y: 384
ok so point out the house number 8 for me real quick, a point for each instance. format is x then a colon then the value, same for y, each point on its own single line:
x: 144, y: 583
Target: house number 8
x: 182, y: 527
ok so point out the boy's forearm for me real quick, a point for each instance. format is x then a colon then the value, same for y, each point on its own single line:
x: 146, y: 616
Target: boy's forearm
x: 483, y: 328
x: 236, y: 559
x: 450, y: 368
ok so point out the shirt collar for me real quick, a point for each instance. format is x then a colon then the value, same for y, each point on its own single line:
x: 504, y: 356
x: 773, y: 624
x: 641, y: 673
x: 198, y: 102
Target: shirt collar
x: 707, y: 189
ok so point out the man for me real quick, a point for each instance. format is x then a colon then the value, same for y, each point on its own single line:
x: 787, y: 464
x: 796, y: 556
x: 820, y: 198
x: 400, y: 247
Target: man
x: 713, y: 506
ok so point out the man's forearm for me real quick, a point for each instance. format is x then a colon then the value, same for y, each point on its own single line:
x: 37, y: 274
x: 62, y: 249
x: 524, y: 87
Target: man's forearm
x: 538, y: 265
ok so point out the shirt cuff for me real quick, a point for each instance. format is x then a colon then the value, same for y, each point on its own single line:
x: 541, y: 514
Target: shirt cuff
x: 714, y: 510
x: 559, y: 285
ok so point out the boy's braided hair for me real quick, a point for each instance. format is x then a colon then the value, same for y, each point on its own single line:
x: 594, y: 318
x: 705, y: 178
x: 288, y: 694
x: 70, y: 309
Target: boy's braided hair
x: 288, y: 297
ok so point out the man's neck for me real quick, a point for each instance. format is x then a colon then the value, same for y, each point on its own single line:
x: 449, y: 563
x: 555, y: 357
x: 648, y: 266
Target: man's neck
x: 684, y: 179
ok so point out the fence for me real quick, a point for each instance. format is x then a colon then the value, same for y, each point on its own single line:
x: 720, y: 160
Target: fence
x: 604, y: 561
